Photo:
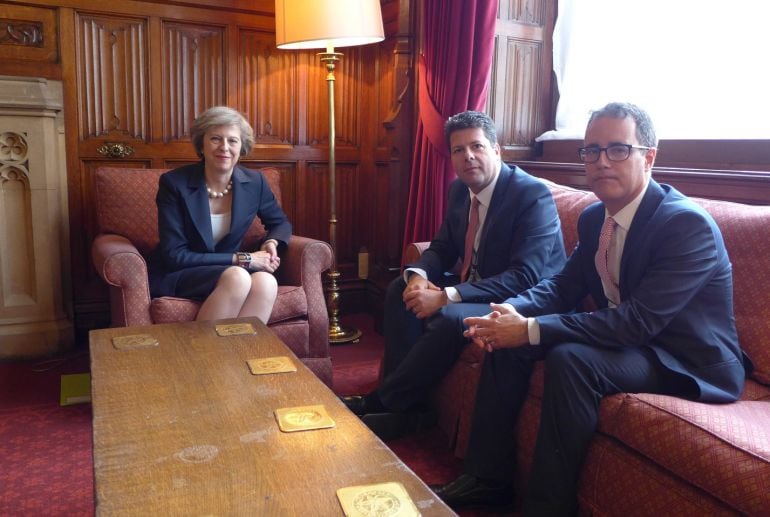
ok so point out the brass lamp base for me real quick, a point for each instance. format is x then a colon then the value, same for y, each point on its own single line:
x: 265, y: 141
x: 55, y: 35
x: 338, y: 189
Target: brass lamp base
x: 339, y: 335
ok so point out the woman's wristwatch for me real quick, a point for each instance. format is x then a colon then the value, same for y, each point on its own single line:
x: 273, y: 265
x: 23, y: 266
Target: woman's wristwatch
x: 244, y: 259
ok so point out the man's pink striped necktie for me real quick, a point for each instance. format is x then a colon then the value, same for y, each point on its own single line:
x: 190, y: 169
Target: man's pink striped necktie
x: 470, y: 237
x: 601, y: 260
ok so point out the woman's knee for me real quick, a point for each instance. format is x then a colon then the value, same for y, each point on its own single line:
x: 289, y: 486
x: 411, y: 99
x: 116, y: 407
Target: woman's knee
x: 235, y: 279
x: 264, y: 283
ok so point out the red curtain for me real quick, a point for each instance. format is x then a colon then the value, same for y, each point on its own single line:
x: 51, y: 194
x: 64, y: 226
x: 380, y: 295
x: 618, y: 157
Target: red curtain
x: 454, y: 76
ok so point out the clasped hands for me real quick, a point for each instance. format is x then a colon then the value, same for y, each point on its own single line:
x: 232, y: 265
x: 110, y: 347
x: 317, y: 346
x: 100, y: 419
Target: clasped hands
x: 266, y: 259
x: 501, y: 328
x: 423, y: 297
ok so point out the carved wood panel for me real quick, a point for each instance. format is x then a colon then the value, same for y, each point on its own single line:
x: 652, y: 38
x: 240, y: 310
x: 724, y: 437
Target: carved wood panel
x: 267, y: 87
x: 193, y: 75
x: 111, y: 66
x: 522, y: 122
x: 28, y: 33
x: 347, y: 99
x: 315, y: 209
x: 524, y: 11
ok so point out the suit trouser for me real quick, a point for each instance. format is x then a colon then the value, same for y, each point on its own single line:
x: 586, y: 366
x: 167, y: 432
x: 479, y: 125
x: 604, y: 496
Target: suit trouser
x: 577, y: 376
x: 418, y: 355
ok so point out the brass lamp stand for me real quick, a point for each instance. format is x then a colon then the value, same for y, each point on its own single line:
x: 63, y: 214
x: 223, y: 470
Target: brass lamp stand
x: 305, y: 24
x: 337, y: 334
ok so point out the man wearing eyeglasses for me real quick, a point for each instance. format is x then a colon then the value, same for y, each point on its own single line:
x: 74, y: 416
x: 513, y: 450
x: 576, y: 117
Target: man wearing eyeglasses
x: 655, y: 264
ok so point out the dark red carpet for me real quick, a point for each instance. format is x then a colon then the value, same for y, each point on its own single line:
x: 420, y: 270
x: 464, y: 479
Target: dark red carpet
x: 46, y: 450
x: 46, y: 463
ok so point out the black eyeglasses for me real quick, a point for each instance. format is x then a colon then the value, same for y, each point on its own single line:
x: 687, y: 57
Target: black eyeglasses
x: 615, y: 152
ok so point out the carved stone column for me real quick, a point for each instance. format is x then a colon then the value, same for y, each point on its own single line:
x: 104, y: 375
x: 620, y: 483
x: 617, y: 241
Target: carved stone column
x: 33, y: 219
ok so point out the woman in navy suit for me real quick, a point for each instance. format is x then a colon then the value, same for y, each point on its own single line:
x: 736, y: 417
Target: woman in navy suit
x: 204, y: 211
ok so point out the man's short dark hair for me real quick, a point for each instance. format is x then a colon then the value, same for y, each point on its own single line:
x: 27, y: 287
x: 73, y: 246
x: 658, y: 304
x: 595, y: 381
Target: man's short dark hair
x: 645, y: 131
x: 470, y: 119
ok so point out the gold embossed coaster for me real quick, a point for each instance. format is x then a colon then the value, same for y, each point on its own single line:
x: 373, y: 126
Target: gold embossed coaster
x: 134, y: 341
x: 235, y: 329
x: 389, y: 499
x: 303, y: 418
x: 266, y: 365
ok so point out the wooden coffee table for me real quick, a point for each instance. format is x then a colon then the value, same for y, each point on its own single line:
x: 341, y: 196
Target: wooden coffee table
x: 184, y: 427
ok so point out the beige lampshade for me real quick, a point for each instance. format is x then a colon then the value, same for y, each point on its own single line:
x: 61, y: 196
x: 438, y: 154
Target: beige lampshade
x: 327, y: 23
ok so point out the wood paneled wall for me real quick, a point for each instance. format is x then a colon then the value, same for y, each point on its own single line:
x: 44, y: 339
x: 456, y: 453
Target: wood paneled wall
x: 137, y: 73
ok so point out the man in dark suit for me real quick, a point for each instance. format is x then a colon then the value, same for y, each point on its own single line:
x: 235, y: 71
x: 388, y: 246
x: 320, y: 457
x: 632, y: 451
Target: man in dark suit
x: 656, y: 266
x: 516, y: 242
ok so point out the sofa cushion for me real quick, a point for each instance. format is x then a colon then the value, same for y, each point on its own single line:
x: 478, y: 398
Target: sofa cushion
x: 690, y: 439
x: 746, y: 230
x: 570, y: 203
x: 290, y: 303
x: 169, y: 309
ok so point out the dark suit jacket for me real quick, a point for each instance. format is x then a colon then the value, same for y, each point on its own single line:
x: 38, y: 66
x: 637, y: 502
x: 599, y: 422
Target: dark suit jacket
x: 676, y: 294
x: 520, y: 243
x: 184, y: 219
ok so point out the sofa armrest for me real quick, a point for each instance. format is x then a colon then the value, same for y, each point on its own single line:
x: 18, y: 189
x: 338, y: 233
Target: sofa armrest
x: 414, y: 251
x: 303, y: 264
x: 123, y: 268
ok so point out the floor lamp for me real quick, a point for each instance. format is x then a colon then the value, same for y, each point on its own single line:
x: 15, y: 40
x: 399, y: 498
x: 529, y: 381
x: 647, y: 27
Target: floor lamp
x: 305, y: 24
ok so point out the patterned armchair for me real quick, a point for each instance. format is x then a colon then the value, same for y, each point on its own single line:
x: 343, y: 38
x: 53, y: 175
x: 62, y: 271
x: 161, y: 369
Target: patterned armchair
x: 127, y: 223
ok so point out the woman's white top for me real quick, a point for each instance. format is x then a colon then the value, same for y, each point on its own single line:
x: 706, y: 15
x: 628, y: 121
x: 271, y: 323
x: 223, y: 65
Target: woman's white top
x: 220, y: 225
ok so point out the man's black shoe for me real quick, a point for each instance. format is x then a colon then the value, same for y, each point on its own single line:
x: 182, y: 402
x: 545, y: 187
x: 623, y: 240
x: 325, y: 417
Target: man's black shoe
x: 389, y: 426
x: 364, y: 404
x: 468, y: 491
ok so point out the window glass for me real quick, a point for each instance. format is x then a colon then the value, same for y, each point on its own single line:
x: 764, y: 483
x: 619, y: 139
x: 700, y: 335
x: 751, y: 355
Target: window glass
x: 699, y: 67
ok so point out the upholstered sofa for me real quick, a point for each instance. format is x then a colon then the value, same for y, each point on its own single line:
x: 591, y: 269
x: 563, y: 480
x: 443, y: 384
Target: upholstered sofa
x: 127, y: 222
x: 654, y: 454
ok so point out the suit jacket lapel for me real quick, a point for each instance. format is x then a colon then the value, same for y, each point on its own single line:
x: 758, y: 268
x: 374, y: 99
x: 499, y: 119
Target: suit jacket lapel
x: 464, y: 217
x: 648, y: 206
x: 243, y: 202
x: 197, y: 200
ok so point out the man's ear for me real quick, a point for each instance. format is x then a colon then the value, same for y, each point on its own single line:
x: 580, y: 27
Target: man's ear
x: 649, y: 159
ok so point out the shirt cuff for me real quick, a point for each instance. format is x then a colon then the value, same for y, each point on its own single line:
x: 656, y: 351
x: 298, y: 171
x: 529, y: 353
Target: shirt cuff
x: 533, y: 331
x: 415, y: 270
x: 453, y: 295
